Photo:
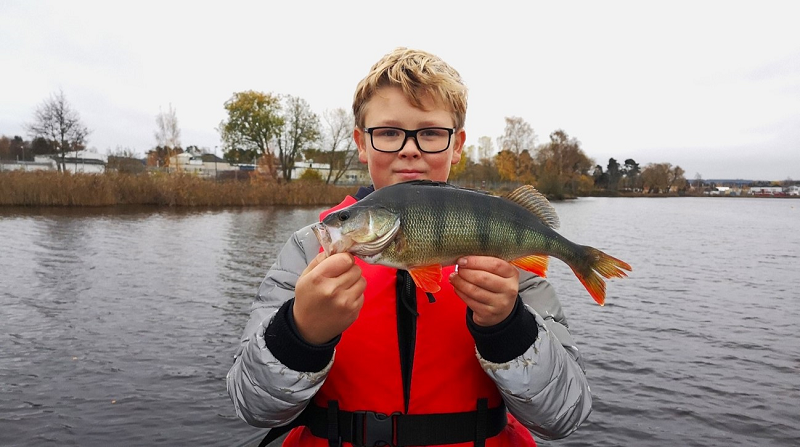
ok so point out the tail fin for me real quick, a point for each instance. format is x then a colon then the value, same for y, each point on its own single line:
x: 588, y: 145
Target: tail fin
x: 603, y: 265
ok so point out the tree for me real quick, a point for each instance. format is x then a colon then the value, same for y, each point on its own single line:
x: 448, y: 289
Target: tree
x: 656, y: 177
x: 339, y: 126
x: 58, y: 123
x: 167, y: 133
x: 676, y: 179
x: 299, y: 132
x: 254, y: 120
x: 485, y: 149
x: 614, y: 174
x: 506, y: 163
x: 561, y: 163
x: 698, y: 182
x: 600, y: 177
x: 631, y: 174
x: 518, y: 136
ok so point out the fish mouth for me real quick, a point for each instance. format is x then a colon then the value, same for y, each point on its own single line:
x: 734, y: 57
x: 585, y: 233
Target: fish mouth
x: 323, y: 236
x: 331, y: 243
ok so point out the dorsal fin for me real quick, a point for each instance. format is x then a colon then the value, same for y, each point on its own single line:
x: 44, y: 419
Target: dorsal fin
x: 532, y: 200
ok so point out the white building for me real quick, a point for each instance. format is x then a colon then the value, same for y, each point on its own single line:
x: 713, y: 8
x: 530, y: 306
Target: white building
x: 205, y: 165
x: 76, y: 161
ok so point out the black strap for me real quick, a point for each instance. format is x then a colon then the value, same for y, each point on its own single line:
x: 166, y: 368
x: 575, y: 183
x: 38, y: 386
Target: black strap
x: 367, y: 428
x: 334, y: 440
x: 480, y: 422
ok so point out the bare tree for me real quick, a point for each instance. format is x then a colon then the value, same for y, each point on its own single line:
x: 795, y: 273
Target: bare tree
x: 485, y: 149
x: 518, y: 136
x: 60, y: 125
x: 339, y: 141
x: 299, y: 132
x: 168, y: 134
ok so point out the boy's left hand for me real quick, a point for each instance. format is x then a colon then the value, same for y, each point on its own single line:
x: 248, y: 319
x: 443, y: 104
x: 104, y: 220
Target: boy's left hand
x: 489, y: 286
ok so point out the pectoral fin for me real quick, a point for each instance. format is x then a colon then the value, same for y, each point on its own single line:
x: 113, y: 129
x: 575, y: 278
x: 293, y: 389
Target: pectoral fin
x: 536, y: 264
x: 427, y: 277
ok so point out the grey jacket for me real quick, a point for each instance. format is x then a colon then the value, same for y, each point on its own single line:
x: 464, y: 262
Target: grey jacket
x: 545, y: 388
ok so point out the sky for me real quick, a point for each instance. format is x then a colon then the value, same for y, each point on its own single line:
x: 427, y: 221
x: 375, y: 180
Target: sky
x: 710, y: 86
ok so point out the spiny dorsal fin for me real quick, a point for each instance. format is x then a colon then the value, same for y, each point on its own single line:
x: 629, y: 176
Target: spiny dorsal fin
x: 532, y: 200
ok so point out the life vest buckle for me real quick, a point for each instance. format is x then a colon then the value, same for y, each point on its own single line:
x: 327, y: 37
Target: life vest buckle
x: 374, y: 429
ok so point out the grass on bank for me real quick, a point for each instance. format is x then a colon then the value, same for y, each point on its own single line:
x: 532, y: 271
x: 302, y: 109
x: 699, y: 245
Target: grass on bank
x: 49, y: 188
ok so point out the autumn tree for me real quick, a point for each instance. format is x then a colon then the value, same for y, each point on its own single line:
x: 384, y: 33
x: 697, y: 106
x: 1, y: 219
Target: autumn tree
x: 338, y: 145
x: 254, y: 120
x: 300, y: 131
x: 561, y: 164
x: 60, y: 125
x: 518, y: 137
x: 506, y: 163
x: 656, y: 177
x: 677, y: 179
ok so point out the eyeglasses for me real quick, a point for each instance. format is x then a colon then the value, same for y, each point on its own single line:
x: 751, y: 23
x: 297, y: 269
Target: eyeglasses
x: 430, y: 140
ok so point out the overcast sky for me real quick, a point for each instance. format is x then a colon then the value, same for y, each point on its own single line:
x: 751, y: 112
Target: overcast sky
x: 713, y: 87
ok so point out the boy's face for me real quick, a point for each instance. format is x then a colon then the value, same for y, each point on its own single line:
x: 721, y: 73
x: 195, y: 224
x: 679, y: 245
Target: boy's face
x: 389, y: 107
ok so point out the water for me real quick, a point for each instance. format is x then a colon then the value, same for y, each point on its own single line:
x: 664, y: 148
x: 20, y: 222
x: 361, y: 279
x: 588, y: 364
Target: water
x: 118, y: 327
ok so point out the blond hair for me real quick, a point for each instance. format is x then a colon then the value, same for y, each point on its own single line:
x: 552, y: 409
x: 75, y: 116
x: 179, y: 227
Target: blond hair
x: 420, y: 75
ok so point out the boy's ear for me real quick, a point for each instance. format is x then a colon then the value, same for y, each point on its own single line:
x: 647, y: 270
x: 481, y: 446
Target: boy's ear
x: 358, y: 137
x: 458, y: 145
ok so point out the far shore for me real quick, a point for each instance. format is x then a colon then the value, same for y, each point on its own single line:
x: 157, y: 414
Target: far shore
x: 48, y: 188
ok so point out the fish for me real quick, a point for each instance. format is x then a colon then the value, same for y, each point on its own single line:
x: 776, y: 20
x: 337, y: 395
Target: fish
x: 422, y: 225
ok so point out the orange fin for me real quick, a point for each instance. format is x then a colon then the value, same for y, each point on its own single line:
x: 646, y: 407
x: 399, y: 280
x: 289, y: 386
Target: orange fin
x: 602, y: 266
x: 427, y: 277
x: 536, y: 264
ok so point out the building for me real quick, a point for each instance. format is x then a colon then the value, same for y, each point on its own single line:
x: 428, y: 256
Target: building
x: 766, y: 190
x: 205, y: 165
x: 75, y: 162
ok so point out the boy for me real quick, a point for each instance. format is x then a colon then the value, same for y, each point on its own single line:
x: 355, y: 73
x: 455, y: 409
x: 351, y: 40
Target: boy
x: 353, y: 353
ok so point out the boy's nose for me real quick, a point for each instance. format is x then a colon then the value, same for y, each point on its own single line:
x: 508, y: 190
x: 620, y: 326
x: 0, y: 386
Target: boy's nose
x: 410, y: 147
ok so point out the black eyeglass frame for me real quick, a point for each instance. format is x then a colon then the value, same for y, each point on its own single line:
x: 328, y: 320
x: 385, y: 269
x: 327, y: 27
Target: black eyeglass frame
x: 410, y: 134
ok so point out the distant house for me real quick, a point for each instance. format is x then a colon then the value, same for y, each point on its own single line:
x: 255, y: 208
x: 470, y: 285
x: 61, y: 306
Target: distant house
x: 39, y: 163
x: 766, y: 190
x: 84, y: 162
x: 75, y: 162
x: 205, y: 165
x: 720, y: 191
x: 353, y: 176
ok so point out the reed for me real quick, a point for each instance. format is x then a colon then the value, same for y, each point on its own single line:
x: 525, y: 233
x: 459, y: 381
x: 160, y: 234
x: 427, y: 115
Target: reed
x: 47, y: 188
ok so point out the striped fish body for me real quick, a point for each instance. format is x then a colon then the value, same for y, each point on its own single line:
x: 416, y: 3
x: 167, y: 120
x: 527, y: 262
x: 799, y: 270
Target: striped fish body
x: 421, y: 226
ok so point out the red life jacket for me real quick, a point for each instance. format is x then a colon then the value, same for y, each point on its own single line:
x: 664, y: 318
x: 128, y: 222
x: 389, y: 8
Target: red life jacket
x: 446, y: 376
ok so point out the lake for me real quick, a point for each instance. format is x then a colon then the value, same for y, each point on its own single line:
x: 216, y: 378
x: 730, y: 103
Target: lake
x: 117, y: 326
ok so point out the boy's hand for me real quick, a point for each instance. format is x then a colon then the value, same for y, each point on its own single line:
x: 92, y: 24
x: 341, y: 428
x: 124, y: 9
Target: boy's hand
x: 328, y: 297
x: 488, y: 285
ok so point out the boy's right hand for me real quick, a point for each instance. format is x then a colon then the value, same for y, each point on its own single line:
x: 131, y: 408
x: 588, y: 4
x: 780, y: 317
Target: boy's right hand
x: 328, y: 297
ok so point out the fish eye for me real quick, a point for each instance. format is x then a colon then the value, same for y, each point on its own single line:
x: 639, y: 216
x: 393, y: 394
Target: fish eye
x: 344, y: 215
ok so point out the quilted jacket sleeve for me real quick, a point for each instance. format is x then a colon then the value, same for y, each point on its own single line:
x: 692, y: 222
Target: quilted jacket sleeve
x: 265, y: 392
x: 545, y: 388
